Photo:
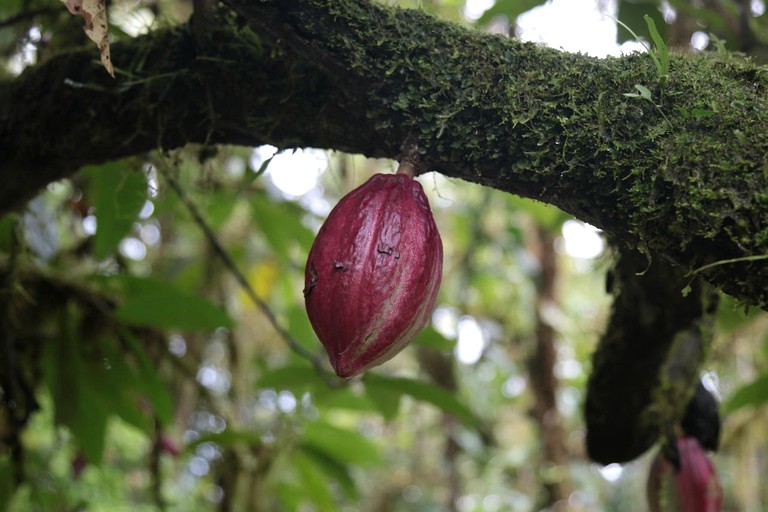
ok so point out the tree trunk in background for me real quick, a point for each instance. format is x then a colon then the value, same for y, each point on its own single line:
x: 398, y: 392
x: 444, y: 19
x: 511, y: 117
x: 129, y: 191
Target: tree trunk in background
x: 544, y: 384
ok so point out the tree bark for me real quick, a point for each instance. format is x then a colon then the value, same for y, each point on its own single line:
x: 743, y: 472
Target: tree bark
x: 682, y: 175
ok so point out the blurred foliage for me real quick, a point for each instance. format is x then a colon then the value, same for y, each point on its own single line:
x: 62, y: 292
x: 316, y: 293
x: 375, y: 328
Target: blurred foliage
x: 137, y: 374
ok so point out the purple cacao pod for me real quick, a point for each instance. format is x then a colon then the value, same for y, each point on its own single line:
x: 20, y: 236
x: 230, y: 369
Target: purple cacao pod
x: 693, y: 487
x: 373, y: 273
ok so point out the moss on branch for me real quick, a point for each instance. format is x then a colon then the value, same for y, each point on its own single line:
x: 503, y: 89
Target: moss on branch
x: 683, y: 176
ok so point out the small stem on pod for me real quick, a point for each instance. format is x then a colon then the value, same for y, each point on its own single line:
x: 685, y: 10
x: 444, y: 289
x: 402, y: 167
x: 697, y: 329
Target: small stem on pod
x: 407, y: 167
x: 409, y: 158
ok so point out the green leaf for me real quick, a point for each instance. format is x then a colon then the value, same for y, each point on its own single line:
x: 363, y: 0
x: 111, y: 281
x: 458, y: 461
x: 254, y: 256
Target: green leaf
x: 429, y: 337
x: 154, y: 303
x: 645, y: 93
x: 340, y: 444
x: 117, y: 387
x: 250, y: 177
x: 150, y: 383
x: 61, y: 366
x: 297, y: 379
x: 118, y: 191
x: 426, y: 392
x: 333, y: 469
x: 290, y: 495
x: 280, y: 223
x: 89, y: 425
x: 219, y: 208
x: 661, y: 47
x: 509, y: 8
x: 227, y: 439
x: 300, y: 328
x: 76, y: 404
x: 387, y: 401
x: 314, y: 482
x: 753, y: 394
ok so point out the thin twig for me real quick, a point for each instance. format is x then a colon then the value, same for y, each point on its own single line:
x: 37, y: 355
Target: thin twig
x: 728, y: 261
x: 242, y: 281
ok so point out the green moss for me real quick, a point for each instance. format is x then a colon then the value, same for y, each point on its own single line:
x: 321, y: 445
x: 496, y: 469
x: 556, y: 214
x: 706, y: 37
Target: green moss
x: 678, y: 176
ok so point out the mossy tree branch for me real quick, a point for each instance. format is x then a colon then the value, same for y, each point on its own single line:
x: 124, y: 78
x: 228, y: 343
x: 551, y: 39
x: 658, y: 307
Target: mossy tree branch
x: 684, y: 176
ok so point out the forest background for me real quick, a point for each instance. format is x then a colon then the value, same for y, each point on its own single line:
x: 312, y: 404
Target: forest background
x: 155, y: 352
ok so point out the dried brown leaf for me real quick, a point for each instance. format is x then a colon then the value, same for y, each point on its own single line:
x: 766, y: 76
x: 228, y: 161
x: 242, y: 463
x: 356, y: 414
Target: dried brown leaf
x: 94, y: 12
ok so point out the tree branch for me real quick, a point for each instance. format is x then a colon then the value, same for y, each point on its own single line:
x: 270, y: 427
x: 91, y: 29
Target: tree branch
x: 355, y: 76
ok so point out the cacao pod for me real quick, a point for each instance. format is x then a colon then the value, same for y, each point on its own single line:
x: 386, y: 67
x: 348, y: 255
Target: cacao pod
x: 691, y: 487
x: 373, y: 273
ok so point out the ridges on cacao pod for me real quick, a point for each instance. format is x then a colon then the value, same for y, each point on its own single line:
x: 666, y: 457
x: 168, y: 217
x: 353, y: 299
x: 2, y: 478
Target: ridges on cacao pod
x: 373, y: 273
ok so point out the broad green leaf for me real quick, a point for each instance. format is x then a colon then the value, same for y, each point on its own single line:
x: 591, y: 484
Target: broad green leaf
x: 387, y: 401
x: 300, y: 328
x: 280, y: 223
x: 228, y: 438
x: 290, y: 495
x: 343, y: 445
x: 297, y: 379
x: 118, y: 190
x: 509, y: 8
x: 61, y: 367
x: 431, y: 338
x: 150, y: 383
x: 89, y: 425
x: 314, y: 482
x: 333, y: 469
x: 118, y: 387
x: 153, y: 303
x: 76, y: 403
x: 753, y: 394
x: 219, y: 208
x: 426, y: 392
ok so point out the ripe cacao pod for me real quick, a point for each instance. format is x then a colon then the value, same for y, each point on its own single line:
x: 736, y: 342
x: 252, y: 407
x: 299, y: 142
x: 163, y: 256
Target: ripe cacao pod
x: 373, y: 273
x: 691, y: 487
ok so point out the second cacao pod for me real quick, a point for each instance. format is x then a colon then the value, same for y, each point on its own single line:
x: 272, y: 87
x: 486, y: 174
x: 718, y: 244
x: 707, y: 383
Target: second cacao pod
x: 373, y: 273
x: 691, y: 487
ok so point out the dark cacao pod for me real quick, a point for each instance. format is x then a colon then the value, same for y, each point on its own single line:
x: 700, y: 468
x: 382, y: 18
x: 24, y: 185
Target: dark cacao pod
x: 373, y: 273
x: 691, y: 487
